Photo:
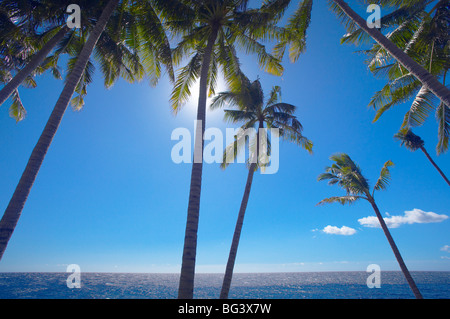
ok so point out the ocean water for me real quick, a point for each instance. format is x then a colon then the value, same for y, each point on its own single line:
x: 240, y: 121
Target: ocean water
x: 304, y: 285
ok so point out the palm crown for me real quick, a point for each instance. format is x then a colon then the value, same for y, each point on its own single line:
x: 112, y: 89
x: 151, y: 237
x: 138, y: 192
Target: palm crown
x: 348, y: 175
x: 134, y: 43
x: 411, y: 141
x: 228, y: 23
x: 252, y: 109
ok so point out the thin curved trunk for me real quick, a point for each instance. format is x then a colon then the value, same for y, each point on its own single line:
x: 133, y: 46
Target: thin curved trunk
x: 237, y: 235
x: 435, y: 165
x: 186, y: 284
x: 35, y: 61
x: 17, y: 202
x: 427, y: 79
x: 240, y: 221
x: 397, y: 254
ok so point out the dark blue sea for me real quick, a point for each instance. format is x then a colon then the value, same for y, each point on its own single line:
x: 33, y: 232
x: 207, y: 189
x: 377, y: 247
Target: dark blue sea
x: 302, y: 285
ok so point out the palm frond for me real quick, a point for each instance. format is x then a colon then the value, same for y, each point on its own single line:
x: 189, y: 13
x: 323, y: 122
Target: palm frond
x: 274, y: 95
x: 279, y: 108
x: 228, y: 60
x: 385, y: 177
x: 17, y: 110
x: 224, y: 98
x: 235, y: 148
x: 235, y: 116
x: 185, y: 79
x: 266, y: 61
x: 443, y: 118
x: 77, y: 102
x: 422, y: 106
x: 294, y: 33
x: 339, y: 199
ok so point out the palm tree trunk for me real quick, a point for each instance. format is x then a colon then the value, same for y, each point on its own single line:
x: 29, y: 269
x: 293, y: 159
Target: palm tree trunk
x: 237, y: 234
x: 186, y: 284
x: 397, y: 254
x: 435, y: 165
x: 36, y: 60
x: 412, y: 66
x: 17, y: 202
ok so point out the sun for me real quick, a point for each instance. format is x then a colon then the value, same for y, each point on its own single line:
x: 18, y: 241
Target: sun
x: 192, y: 102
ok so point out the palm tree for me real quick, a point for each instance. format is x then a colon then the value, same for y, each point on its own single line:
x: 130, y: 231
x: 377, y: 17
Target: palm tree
x: 209, y: 33
x: 251, y: 109
x: 116, y: 60
x: 17, y: 202
x: 426, y: 78
x: 347, y: 174
x: 413, y: 142
x: 299, y: 22
x: 420, y: 29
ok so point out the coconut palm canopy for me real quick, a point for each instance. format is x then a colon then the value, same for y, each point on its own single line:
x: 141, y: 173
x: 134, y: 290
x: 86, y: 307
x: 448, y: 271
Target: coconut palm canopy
x: 109, y: 197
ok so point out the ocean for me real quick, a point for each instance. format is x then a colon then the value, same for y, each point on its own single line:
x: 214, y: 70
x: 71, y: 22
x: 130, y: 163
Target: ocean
x: 301, y: 285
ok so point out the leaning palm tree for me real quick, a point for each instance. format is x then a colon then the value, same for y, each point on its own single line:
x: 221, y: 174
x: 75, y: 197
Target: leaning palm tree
x: 251, y: 109
x: 17, y: 202
x: 428, y: 80
x: 115, y: 60
x: 347, y: 174
x: 421, y: 29
x: 413, y: 142
x: 210, y: 32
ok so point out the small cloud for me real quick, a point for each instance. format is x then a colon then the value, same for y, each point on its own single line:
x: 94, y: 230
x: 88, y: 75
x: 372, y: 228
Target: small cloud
x: 344, y: 230
x: 446, y: 248
x: 415, y: 216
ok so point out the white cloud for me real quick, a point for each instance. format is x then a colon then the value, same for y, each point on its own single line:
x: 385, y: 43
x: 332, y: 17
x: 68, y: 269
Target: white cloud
x: 415, y: 216
x: 344, y: 230
x: 446, y: 248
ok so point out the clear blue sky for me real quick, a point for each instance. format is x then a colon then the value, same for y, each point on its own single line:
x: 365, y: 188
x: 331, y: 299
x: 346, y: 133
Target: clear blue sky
x: 109, y: 198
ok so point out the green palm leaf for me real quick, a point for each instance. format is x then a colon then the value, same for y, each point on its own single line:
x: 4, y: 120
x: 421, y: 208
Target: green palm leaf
x: 339, y: 199
x: 185, y: 79
x: 421, y: 108
x: 443, y: 118
x: 385, y: 177
x: 294, y: 33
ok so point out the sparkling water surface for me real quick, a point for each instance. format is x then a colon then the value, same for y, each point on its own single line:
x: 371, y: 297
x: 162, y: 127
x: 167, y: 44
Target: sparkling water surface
x: 302, y: 285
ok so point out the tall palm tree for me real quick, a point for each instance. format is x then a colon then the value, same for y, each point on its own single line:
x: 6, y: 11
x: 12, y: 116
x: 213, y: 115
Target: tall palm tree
x: 421, y: 29
x: 347, y: 174
x: 251, y: 109
x: 116, y: 59
x: 413, y: 142
x: 210, y: 32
